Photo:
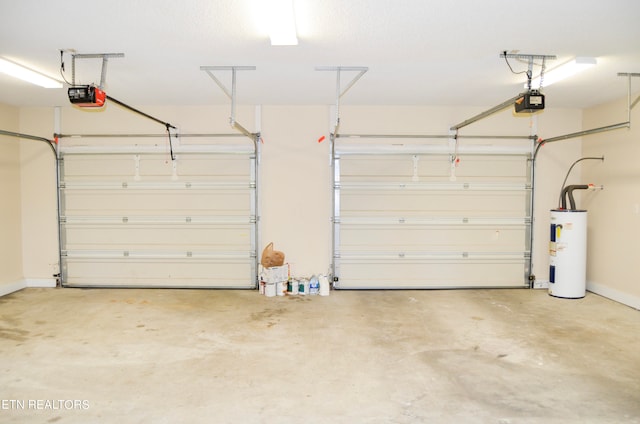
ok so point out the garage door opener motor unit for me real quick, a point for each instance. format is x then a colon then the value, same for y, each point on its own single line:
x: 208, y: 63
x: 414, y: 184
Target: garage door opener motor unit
x: 529, y: 102
x: 87, y: 96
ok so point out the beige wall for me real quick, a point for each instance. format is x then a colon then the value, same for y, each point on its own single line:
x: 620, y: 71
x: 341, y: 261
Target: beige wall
x: 295, y: 169
x: 10, y: 212
x: 39, y: 200
x: 614, y: 213
x: 296, y: 181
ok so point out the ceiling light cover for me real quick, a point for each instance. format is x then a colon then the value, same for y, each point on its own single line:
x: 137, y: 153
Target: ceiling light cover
x: 566, y: 70
x: 282, y: 22
x: 34, y: 77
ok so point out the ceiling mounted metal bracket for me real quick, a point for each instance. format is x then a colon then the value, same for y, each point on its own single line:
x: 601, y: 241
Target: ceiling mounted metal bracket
x: 231, y: 94
x: 103, y: 74
x: 530, y: 58
x: 630, y: 104
x: 507, y: 103
x: 361, y: 70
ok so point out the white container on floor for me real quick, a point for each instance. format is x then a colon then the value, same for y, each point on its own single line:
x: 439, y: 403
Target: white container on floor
x: 303, y: 286
x: 324, y: 285
x: 270, y: 289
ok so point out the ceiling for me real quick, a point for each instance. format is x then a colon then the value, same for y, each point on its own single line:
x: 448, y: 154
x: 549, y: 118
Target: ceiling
x: 419, y: 52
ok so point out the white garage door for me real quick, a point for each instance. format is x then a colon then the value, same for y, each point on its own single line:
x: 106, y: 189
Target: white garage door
x: 133, y: 217
x: 408, y: 214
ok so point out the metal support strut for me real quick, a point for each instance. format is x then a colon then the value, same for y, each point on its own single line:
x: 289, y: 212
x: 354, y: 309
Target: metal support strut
x: 620, y: 125
x: 231, y: 94
x: 339, y: 91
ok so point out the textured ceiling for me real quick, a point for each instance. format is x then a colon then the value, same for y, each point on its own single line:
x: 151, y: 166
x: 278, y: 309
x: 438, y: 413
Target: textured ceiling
x: 422, y: 52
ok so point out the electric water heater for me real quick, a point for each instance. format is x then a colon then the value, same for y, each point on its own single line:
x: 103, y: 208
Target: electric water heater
x: 568, y: 253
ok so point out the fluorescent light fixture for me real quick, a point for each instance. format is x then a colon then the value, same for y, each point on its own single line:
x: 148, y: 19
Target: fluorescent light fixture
x: 34, y: 77
x: 282, y: 22
x: 566, y: 70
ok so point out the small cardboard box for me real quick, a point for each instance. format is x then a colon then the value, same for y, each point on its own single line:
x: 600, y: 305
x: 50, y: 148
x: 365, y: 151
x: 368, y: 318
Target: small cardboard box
x: 275, y: 274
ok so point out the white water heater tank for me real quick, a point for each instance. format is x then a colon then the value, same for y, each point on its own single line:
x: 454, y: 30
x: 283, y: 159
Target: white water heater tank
x: 568, y: 253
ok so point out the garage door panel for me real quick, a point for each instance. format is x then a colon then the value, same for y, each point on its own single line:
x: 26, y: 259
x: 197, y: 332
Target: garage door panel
x: 383, y: 203
x: 404, y: 218
x: 128, y: 237
x: 427, y: 168
x: 133, y: 218
x: 160, y: 202
x: 168, y: 272
x: 436, y: 274
x: 434, y: 239
x: 158, y: 167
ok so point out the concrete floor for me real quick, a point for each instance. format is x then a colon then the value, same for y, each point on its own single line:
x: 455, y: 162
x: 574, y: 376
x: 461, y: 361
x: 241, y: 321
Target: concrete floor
x: 217, y: 356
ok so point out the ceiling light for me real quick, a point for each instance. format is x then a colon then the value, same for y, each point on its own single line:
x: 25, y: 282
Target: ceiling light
x: 282, y: 22
x: 34, y: 77
x: 566, y: 70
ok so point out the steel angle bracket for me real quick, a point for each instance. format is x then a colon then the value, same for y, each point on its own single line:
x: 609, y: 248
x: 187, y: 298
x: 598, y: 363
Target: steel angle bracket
x: 105, y: 59
x: 361, y: 70
x: 231, y: 93
x: 630, y: 104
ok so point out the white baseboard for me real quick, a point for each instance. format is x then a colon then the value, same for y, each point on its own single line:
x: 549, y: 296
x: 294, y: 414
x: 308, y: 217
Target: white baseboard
x: 43, y: 282
x: 613, y: 294
x: 541, y: 284
x: 13, y: 286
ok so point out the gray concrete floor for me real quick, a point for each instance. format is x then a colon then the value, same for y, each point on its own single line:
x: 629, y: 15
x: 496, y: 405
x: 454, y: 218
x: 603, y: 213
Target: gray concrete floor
x: 217, y: 356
